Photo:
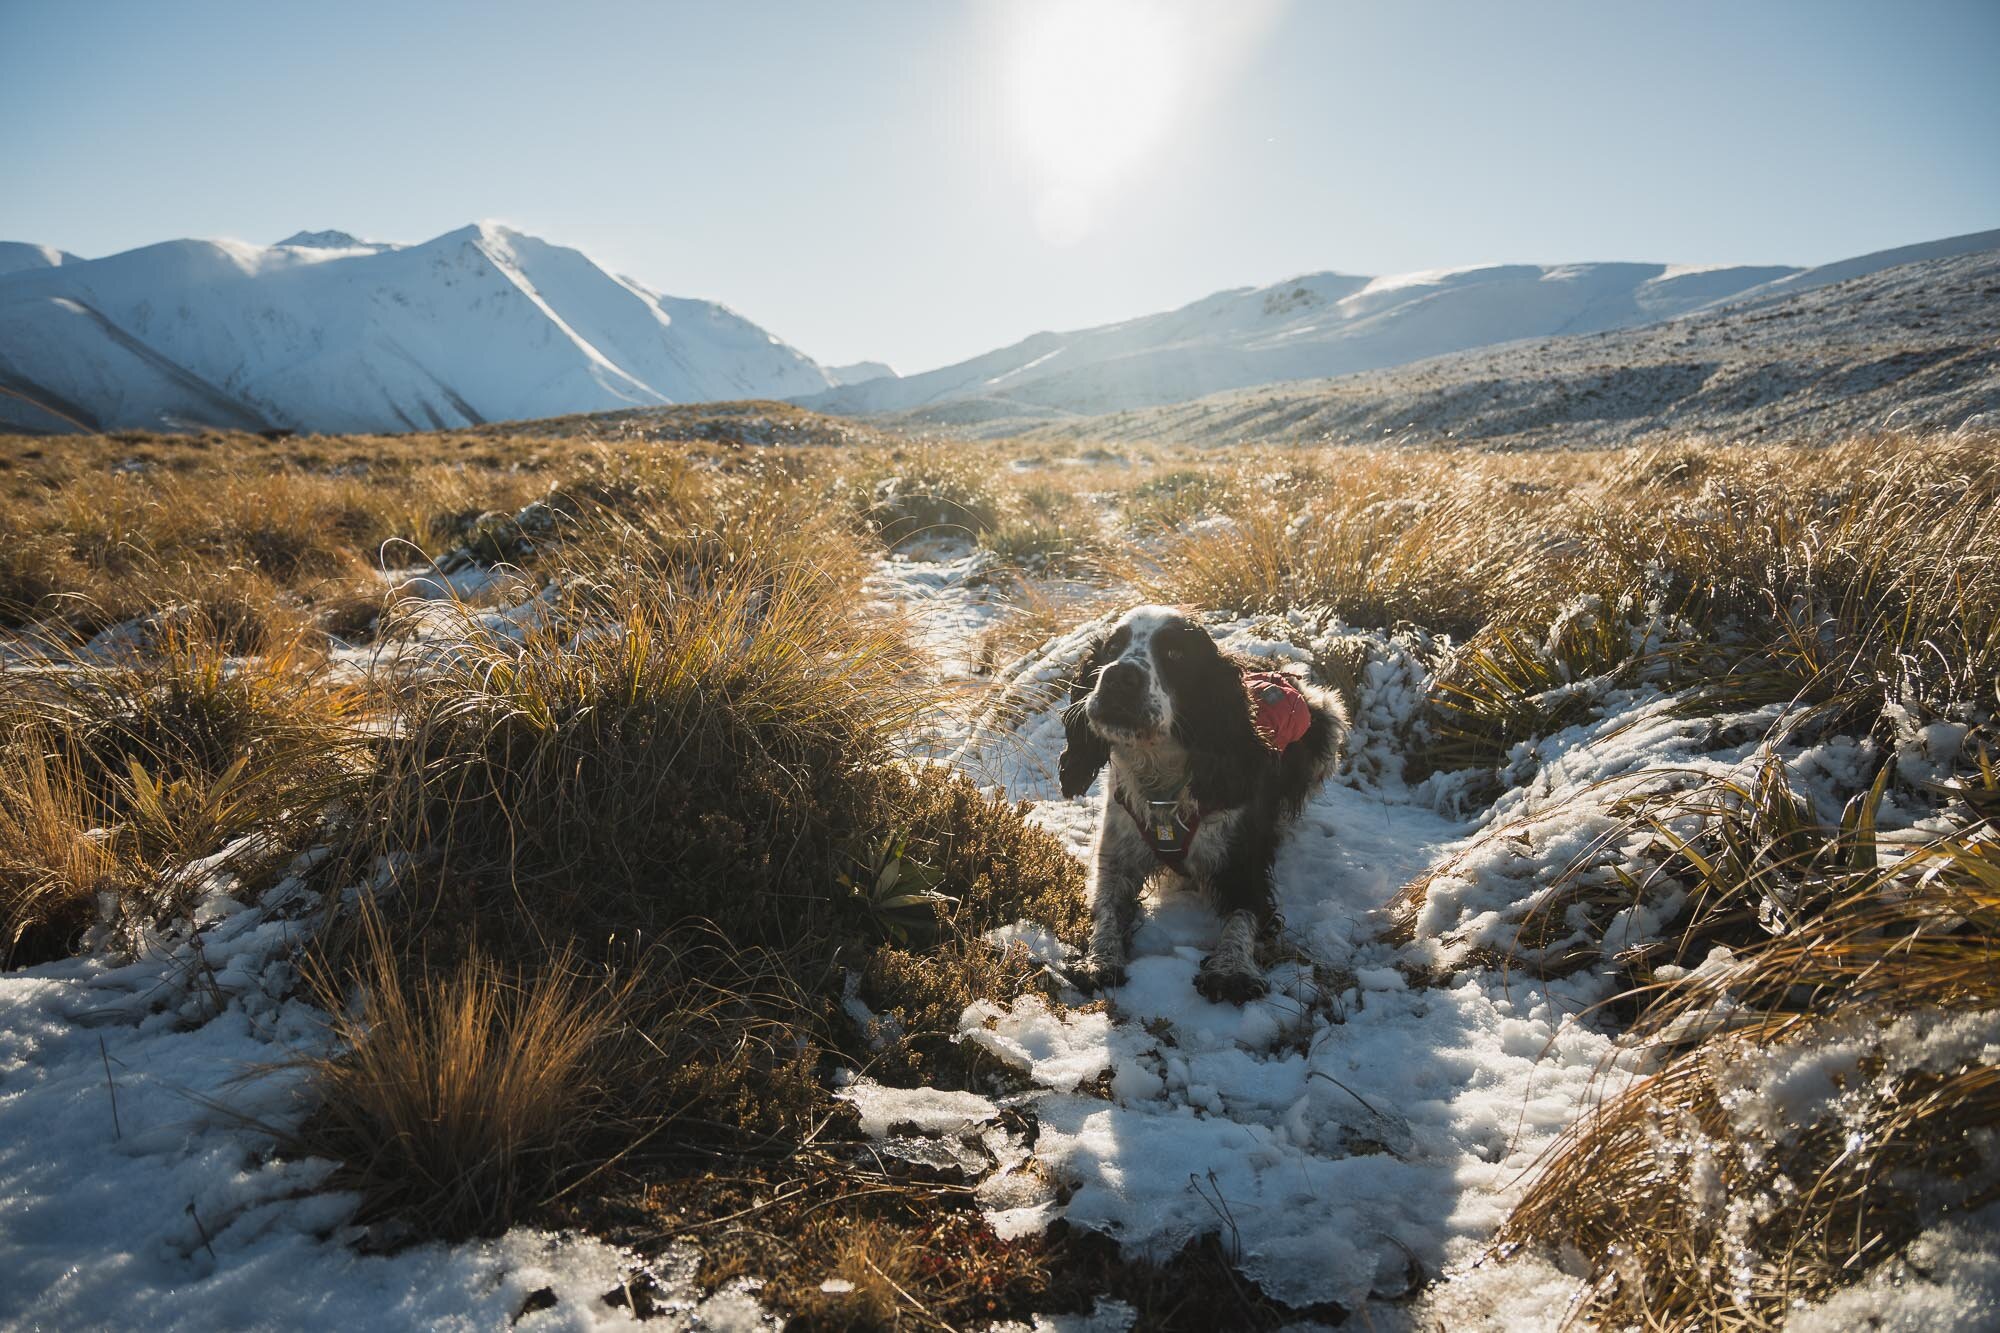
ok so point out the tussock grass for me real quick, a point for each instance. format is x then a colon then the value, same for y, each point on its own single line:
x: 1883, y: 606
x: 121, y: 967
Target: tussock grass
x: 463, y: 1095
x: 54, y: 857
x: 642, y: 757
x: 125, y: 776
x: 1702, y: 1198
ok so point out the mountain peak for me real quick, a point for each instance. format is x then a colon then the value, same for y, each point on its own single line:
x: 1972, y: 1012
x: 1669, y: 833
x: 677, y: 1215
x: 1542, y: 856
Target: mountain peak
x: 324, y: 331
x: 329, y: 240
x: 18, y: 255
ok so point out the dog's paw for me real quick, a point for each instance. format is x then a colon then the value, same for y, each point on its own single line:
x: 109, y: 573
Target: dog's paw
x: 1097, y: 974
x: 1229, y: 987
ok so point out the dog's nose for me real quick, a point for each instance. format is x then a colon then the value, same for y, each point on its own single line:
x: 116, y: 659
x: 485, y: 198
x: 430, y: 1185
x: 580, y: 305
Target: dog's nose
x: 1121, y: 680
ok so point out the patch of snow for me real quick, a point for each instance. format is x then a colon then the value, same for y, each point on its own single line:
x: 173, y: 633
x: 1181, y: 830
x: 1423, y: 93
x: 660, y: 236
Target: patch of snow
x: 930, y: 1110
x: 139, y: 1182
x: 1946, y: 1281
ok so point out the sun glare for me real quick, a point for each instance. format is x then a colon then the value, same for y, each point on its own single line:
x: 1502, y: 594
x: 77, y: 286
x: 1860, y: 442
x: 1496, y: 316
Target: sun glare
x: 1094, y: 88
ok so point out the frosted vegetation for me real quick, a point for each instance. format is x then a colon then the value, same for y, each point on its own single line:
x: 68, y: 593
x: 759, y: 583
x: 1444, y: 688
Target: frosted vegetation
x: 617, y: 870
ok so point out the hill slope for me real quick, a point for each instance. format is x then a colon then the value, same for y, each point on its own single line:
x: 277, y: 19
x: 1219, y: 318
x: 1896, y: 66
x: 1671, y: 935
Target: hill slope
x: 1320, y: 324
x: 1913, y: 344
x: 328, y: 333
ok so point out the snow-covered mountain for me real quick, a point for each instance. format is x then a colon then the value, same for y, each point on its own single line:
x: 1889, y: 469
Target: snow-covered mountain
x: 1317, y: 325
x: 1328, y: 324
x: 860, y: 372
x: 327, y: 332
x: 1830, y: 351
x: 18, y: 255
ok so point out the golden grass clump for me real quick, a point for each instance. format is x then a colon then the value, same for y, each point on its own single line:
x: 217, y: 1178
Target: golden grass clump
x: 641, y: 757
x: 124, y: 775
x: 55, y: 856
x: 464, y: 1095
x: 1825, y: 1089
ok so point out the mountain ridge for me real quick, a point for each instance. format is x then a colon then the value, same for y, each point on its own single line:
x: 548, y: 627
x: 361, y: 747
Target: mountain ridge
x: 482, y: 323
x: 1912, y: 344
x: 1327, y: 324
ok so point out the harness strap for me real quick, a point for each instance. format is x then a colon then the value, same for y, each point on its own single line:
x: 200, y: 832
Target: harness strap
x: 1166, y: 830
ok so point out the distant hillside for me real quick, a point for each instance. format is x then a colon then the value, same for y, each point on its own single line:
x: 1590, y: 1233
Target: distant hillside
x: 1316, y: 325
x: 1915, y: 343
x: 1323, y: 325
x: 859, y: 372
x: 325, y: 332
x: 749, y: 422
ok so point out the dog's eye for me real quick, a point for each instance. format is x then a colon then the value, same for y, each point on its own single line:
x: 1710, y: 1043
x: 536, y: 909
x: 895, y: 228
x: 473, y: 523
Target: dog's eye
x: 1173, y: 652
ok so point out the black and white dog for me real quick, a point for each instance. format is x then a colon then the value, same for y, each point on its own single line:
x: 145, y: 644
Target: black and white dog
x: 1208, y: 759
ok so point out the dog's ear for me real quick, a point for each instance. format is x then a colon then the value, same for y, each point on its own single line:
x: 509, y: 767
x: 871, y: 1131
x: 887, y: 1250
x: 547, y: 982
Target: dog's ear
x: 1214, y: 721
x: 1086, y: 675
x: 1085, y: 752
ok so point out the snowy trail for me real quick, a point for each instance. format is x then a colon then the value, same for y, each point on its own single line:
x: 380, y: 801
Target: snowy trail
x: 1352, y: 1122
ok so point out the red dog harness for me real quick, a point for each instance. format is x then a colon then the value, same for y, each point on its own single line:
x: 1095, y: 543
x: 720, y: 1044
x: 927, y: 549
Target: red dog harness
x: 1283, y: 716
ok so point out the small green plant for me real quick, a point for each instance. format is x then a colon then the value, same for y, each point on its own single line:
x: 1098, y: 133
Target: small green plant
x: 899, y: 892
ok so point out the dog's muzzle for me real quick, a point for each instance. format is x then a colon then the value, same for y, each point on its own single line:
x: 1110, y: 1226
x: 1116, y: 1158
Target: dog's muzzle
x: 1122, y: 700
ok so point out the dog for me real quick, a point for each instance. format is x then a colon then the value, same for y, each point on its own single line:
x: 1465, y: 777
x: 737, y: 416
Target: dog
x: 1209, y: 760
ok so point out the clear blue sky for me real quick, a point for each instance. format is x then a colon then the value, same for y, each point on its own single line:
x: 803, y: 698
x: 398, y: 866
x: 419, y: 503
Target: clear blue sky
x: 917, y: 181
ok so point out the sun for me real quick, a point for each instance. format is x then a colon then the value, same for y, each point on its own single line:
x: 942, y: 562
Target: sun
x: 1093, y: 86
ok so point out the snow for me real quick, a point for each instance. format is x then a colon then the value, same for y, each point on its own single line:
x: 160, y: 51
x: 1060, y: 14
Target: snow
x: 930, y: 1110
x: 18, y: 255
x: 1951, y: 247
x: 140, y: 1188
x: 1386, y: 1103
x: 329, y: 333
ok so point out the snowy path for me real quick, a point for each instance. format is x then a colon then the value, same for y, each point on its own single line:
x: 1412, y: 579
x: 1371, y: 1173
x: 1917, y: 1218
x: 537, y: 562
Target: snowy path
x: 1332, y: 1133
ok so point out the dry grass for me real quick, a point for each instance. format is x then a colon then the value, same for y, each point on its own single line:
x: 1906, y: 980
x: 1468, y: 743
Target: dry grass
x: 131, y: 778
x: 1703, y: 1203
x: 639, y: 844
x: 54, y: 856
x: 463, y: 1096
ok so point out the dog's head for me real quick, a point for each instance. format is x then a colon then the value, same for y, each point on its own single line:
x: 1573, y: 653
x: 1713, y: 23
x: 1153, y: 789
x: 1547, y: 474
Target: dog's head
x: 1159, y: 675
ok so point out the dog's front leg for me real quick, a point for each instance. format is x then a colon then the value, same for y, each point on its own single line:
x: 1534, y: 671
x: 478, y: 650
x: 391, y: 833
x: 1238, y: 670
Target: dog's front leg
x: 1244, y: 896
x: 1230, y: 974
x: 1117, y: 875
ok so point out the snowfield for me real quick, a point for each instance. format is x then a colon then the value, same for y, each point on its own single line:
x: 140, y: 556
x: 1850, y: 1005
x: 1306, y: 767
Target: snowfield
x: 1361, y: 1131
